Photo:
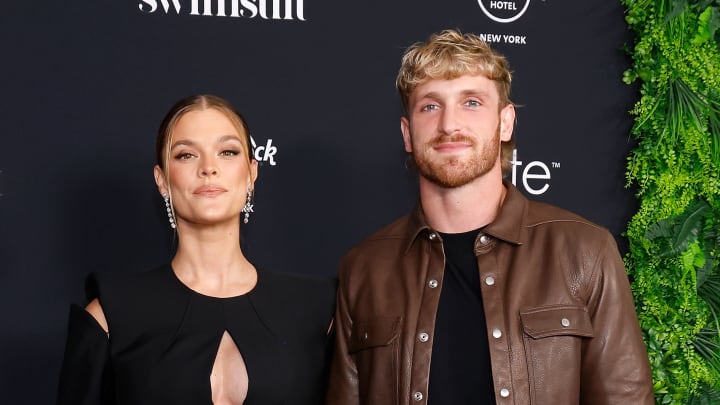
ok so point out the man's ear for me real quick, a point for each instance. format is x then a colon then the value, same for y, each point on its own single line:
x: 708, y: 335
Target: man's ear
x: 405, y: 129
x: 507, y: 122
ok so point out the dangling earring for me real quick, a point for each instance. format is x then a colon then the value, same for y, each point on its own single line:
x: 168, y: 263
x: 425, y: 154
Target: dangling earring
x: 171, y: 217
x: 248, y: 208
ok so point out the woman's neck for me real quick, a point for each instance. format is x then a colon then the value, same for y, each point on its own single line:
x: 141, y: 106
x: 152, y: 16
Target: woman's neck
x: 209, y: 260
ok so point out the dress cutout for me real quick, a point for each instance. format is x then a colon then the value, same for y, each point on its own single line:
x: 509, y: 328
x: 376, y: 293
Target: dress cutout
x: 228, y: 378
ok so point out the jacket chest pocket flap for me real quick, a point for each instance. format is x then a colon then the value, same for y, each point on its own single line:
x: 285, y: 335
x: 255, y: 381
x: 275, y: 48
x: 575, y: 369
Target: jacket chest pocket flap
x: 556, y: 320
x: 374, y: 343
x: 374, y: 332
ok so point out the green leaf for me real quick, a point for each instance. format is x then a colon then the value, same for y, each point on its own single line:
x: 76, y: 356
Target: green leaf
x: 707, y: 346
x: 692, y: 222
x: 713, y: 22
x: 675, y: 234
x: 709, y: 288
x: 676, y: 8
x: 713, y: 116
x: 708, y: 24
x: 705, y: 395
x: 684, y: 109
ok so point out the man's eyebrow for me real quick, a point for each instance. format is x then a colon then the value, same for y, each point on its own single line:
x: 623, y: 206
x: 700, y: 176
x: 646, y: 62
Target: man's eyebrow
x: 475, y: 92
x: 467, y: 92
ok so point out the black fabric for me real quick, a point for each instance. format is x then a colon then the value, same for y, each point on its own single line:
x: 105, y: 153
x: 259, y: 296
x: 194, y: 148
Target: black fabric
x: 164, y: 338
x: 460, y: 371
x: 86, y: 349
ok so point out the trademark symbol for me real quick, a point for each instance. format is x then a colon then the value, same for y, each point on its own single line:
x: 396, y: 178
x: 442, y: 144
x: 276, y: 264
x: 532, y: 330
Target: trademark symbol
x: 555, y: 165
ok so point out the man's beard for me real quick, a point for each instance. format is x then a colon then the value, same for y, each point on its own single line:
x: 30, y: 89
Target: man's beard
x: 454, y: 171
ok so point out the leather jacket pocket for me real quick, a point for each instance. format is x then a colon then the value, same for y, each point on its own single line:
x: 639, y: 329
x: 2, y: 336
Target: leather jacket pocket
x: 375, y: 345
x: 553, y: 337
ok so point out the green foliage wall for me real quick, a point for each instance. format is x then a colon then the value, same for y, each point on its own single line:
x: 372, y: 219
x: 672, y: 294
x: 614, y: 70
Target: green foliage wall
x: 674, y: 238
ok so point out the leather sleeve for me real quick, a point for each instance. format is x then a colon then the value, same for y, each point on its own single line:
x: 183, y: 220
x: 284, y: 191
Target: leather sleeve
x: 615, y: 366
x: 85, y: 375
x: 343, y: 381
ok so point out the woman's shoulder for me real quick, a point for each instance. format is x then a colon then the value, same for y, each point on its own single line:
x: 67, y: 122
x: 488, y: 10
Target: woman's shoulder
x: 297, y: 283
x: 99, y: 282
x: 133, y: 301
x: 313, y: 290
x: 295, y: 294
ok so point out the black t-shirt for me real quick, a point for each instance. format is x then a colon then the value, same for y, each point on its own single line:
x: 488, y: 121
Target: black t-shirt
x: 460, y: 371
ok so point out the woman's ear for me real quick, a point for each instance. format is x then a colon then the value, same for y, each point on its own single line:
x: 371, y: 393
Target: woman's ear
x: 253, y: 172
x: 160, y: 180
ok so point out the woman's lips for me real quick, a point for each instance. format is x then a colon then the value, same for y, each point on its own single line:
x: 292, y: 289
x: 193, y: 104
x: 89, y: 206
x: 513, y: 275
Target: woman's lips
x: 209, y: 191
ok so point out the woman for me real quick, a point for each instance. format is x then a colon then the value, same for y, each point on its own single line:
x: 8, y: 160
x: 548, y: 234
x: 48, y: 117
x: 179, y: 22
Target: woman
x: 208, y: 328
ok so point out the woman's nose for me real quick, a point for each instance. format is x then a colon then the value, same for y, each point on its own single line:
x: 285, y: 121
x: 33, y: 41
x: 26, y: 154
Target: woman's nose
x: 207, y: 169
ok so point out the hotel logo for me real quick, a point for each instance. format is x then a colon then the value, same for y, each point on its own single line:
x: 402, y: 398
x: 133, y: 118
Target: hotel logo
x: 504, y: 11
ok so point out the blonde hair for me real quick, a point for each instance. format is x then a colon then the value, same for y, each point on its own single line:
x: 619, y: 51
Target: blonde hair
x: 448, y: 55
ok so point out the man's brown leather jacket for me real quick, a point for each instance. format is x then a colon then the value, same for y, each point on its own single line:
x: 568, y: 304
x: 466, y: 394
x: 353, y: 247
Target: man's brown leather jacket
x: 560, y: 317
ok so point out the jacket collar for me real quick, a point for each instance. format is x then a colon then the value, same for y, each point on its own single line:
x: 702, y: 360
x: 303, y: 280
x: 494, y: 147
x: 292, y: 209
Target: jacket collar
x: 507, y: 226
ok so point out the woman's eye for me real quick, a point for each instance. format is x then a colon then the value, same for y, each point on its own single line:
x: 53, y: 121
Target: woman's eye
x: 183, y: 156
x: 229, y: 153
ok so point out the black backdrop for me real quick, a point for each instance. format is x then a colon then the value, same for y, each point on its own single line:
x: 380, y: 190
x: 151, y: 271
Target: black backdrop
x: 86, y: 82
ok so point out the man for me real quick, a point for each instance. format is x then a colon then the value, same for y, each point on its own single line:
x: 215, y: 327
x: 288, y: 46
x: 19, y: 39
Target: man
x: 480, y: 296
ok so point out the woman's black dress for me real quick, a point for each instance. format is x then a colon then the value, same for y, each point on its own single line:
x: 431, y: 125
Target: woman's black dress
x: 164, y: 338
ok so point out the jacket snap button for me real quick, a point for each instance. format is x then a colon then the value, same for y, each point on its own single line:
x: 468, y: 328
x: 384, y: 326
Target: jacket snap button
x: 432, y: 236
x: 504, y: 393
x: 423, y: 337
x: 365, y: 336
x: 565, y: 322
x: 497, y: 333
x: 432, y: 283
x: 418, y: 396
x: 484, y: 239
x: 490, y: 280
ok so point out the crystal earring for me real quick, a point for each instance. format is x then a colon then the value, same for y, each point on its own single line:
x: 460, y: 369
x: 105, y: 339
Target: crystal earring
x: 248, y: 208
x: 170, y: 213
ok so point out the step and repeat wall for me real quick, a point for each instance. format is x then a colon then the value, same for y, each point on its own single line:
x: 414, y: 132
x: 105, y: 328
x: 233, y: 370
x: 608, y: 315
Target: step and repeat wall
x: 85, y: 84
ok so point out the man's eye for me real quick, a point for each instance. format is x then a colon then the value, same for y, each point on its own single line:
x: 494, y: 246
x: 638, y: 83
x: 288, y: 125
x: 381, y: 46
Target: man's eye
x: 429, y: 107
x: 473, y: 103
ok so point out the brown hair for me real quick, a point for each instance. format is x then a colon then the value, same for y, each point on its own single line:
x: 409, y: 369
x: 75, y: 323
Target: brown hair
x: 197, y: 103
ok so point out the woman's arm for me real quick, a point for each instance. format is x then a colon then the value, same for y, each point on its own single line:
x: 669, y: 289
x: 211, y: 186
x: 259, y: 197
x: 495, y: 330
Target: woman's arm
x: 96, y: 311
x: 85, y: 378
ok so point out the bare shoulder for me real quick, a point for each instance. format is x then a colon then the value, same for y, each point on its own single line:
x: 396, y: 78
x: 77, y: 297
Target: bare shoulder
x: 95, y: 309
